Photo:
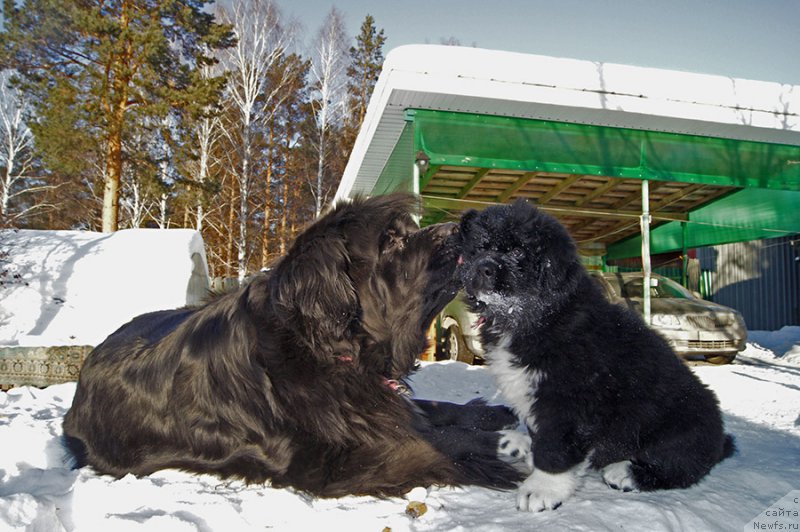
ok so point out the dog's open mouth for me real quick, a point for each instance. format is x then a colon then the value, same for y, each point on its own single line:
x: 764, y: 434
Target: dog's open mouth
x: 478, y: 307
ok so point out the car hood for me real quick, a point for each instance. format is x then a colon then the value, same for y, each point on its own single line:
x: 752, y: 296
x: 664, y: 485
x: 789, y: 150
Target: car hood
x: 679, y: 306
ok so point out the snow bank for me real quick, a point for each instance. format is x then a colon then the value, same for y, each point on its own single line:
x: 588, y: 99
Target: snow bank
x: 780, y: 347
x: 760, y: 401
x: 77, y: 287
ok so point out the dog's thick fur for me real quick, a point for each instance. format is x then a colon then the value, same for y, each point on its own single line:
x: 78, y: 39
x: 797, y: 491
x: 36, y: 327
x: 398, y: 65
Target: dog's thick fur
x: 596, y: 387
x: 290, y: 378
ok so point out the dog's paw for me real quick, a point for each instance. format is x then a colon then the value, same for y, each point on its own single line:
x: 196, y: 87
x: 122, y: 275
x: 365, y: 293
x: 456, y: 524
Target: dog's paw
x: 546, y: 491
x: 619, y: 476
x: 515, y: 446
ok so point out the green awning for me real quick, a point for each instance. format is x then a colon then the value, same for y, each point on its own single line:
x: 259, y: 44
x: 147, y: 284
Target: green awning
x: 462, y: 139
x: 754, y: 186
x: 749, y: 214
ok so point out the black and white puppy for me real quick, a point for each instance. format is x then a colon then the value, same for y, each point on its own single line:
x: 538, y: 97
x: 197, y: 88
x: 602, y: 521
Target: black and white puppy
x: 596, y: 387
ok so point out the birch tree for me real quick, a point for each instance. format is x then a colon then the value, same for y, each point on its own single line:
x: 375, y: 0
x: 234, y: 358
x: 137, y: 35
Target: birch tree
x: 261, y: 43
x: 329, y: 79
x: 289, y: 78
x: 16, y: 148
x: 207, y: 133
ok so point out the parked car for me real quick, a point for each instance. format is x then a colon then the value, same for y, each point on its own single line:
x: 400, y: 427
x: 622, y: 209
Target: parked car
x: 457, y: 338
x: 695, y: 328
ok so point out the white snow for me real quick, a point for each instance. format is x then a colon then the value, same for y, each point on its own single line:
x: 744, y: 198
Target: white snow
x: 760, y: 401
x: 779, y: 347
x: 759, y: 394
x: 77, y: 287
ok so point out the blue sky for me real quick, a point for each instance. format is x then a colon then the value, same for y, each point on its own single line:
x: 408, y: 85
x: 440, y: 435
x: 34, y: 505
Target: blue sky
x: 755, y: 39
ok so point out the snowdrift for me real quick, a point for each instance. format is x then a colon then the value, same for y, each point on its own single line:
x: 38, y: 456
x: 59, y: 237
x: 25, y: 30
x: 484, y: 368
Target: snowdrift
x: 77, y: 287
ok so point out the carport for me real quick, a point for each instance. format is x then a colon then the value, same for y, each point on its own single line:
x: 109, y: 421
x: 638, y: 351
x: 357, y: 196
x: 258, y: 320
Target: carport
x: 615, y: 152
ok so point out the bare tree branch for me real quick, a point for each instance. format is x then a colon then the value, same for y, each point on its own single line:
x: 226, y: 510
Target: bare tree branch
x: 16, y: 145
x: 261, y: 43
x: 328, y: 71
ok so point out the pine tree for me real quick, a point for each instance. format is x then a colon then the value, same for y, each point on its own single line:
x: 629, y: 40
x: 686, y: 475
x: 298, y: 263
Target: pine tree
x: 365, y: 67
x: 96, y: 70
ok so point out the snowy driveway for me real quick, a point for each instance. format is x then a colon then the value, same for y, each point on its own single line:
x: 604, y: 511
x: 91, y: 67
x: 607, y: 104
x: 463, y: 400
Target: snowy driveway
x: 759, y: 395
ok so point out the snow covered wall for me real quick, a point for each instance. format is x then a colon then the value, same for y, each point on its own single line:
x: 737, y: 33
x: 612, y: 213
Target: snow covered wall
x: 76, y: 287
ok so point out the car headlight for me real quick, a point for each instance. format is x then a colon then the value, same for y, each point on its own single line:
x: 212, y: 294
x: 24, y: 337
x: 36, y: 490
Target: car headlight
x: 667, y: 321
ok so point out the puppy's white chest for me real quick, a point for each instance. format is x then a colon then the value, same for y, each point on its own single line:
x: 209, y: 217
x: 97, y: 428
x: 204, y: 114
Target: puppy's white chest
x: 517, y: 383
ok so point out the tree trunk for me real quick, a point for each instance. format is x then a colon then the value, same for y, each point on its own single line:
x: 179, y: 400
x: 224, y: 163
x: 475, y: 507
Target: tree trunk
x: 200, y: 215
x: 112, y: 182
x: 320, y: 169
x: 5, y: 195
x: 241, y: 244
x: 231, y: 218
x: 267, y: 200
x: 206, y: 133
x: 286, y: 202
x: 113, y: 174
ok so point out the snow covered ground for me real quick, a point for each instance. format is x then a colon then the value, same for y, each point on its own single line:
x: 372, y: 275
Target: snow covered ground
x: 50, y: 288
x: 55, y: 300
x: 760, y: 395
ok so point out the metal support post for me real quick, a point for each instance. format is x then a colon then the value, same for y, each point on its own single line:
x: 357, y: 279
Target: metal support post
x: 646, y: 268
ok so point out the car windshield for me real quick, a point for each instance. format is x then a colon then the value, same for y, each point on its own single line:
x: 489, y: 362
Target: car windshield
x: 662, y: 287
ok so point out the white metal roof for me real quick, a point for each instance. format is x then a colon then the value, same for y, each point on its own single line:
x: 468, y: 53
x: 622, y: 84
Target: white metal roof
x: 511, y: 84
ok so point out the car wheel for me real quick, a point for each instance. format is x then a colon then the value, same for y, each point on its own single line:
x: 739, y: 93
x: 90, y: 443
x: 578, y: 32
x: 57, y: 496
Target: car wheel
x: 720, y: 359
x: 455, y: 347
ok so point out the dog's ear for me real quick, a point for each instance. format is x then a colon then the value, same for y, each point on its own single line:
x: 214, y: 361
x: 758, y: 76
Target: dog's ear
x: 525, y: 216
x: 467, y: 219
x: 522, y: 203
x: 394, y: 237
x: 314, y: 296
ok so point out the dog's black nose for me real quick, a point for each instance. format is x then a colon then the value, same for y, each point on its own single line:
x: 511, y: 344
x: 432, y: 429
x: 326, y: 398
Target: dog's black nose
x: 481, y: 277
x: 487, y: 269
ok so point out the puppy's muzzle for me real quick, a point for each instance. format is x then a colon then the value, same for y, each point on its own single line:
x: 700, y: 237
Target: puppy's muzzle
x: 482, y: 277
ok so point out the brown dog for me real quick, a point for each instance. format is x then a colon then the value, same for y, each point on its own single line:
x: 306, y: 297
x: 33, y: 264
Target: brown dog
x: 289, y: 379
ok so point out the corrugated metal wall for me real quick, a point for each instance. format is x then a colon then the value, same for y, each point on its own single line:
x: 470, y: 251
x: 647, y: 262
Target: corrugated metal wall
x: 761, y: 279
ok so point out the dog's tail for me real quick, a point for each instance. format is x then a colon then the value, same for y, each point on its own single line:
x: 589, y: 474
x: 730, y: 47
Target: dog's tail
x: 488, y: 472
x: 476, y: 455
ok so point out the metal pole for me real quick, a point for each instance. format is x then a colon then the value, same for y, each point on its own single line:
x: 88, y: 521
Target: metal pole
x: 421, y: 165
x: 415, y: 189
x: 685, y: 255
x: 645, y: 226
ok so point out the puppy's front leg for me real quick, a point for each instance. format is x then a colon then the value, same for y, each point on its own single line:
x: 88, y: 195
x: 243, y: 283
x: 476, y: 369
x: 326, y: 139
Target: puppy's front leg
x: 546, y: 491
x: 558, y: 467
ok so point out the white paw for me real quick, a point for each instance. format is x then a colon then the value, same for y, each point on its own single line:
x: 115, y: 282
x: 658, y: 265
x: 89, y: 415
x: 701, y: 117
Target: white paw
x: 619, y: 476
x: 515, y: 446
x: 546, y: 491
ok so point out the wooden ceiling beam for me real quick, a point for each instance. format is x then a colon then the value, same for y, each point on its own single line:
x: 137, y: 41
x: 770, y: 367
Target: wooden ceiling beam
x: 480, y: 174
x: 558, y: 189
x: 518, y: 184
x: 625, y: 226
x: 599, y: 191
x: 675, y: 196
x: 459, y: 204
